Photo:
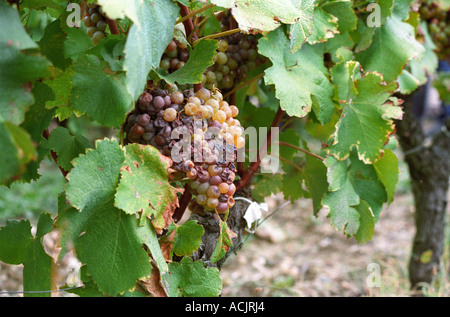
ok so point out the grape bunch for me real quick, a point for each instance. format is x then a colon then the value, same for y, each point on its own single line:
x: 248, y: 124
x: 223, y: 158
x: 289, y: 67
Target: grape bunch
x: 237, y: 55
x: 437, y: 20
x: 201, y: 135
x: 175, y: 56
x: 95, y: 21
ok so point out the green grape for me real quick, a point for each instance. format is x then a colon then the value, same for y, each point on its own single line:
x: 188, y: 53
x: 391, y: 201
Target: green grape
x: 221, y: 58
x: 98, y: 36
x: 165, y: 64
x: 210, y: 76
x: 96, y: 17
x: 101, y: 25
x: 91, y: 30
x: 87, y: 21
x: 223, y: 46
x: 227, y: 82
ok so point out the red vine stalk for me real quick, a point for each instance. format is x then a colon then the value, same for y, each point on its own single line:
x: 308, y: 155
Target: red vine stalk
x: 185, y: 199
x: 188, y: 24
x: 113, y: 26
x: 253, y: 168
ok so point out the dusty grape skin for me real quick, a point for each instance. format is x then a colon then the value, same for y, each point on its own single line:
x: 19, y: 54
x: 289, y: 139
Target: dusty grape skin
x: 159, y: 111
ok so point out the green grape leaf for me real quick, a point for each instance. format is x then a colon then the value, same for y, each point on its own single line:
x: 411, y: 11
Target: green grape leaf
x: 112, y: 52
x: 40, y: 5
x: 200, y: 58
x: 288, y: 136
x: 325, y: 26
x: 419, y: 68
x: 316, y: 181
x: 119, y: 9
x: 66, y: 146
x: 366, y: 121
x: 111, y: 243
x: 77, y: 42
x: 387, y: 170
x: 95, y: 175
x: 302, y: 29
x: 343, y: 11
x: 17, y: 72
x: 305, y: 72
x: 262, y: 15
x: 266, y: 185
x: 13, y: 33
x: 292, y: 181
x: 366, y: 227
x: 52, y: 45
x: 61, y: 85
x: 19, y: 246
x: 442, y: 85
x: 103, y: 97
x: 341, y: 203
x: 224, y: 241
x: 188, y: 237
x: 38, y: 118
x: 18, y: 151
x: 31, y: 172
x: 336, y: 173
x: 355, y: 196
x: 152, y: 242
x: 147, y: 40
x: 222, y: 3
x: 192, y: 279
x: 111, y: 247
x: 393, y: 46
x: 144, y: 185
x: 367, y: 185
x: 343, y: 75
x: 363, y: 36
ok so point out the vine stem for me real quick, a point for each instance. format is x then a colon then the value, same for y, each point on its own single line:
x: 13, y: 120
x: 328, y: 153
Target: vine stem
x: 302, y: 150
x: 188, y: 24
x: 243, y: 85
x: 185, y: 199
x: 289, y: 162
x: 113, y: 26
x: 216, y: 35
x: 248, y: 176
x: 198, y: 23
x: 190, y: 15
